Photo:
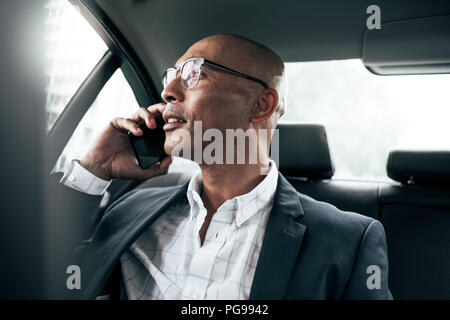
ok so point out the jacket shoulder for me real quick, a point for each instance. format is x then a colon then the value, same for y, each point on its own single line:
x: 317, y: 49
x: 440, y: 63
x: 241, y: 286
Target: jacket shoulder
x: 338, y: 248
x: 142, y: 196
x: 321, y: 217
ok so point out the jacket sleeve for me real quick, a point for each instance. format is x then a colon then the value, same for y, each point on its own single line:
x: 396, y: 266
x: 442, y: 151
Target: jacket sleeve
x: 76, y: 211
x: 369, y: 277
x: 69, y: 220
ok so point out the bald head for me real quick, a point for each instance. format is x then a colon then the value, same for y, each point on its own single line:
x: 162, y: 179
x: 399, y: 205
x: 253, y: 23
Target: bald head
x: 220, y: 99
x: 249, y: 57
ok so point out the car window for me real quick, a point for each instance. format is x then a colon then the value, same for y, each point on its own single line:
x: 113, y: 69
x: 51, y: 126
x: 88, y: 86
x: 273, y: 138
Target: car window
x: 115, y: 100
x: 72, y: 49
x: 366, y: 115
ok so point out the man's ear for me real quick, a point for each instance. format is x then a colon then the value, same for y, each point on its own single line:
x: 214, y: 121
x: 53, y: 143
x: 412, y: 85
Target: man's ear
x: 265, y: 106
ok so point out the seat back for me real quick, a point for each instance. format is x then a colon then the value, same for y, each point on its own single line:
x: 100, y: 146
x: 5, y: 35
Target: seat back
x: 305, y: 159
x: 415, y: 210
x: 416, y: 216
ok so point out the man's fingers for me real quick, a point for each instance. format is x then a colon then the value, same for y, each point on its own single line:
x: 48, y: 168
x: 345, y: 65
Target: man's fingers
x: 148, y: 117
x: 142, y: 115
x: 151, y: 112
x: 157, y: 108
x: 126, y: 125
x: 148, y: 114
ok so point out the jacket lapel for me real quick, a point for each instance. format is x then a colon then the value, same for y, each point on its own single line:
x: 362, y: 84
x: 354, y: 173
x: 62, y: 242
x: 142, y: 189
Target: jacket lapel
x: 118, y: 230
x: 282, y: 241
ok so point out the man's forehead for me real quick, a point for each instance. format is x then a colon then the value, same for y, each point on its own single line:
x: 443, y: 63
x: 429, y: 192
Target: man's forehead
x: 224, y: 50
x: 236, y: 53
x: 181, y: 60
x: 201, y: 49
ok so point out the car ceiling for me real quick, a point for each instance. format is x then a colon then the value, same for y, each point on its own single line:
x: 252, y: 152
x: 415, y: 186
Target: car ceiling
x: 161, y: 30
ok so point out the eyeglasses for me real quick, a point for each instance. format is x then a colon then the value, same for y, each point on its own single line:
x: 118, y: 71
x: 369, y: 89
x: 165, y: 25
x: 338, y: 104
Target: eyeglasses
x: 190, y: 73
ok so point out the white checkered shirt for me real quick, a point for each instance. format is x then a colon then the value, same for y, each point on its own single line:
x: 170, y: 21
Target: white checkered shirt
x: 168, y: 262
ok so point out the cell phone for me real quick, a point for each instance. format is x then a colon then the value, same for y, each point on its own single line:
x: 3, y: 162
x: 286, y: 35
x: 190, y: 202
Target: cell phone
x: 149, y: 147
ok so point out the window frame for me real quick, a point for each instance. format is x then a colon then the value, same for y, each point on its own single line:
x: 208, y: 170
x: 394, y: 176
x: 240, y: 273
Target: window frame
x: 79, y: 104
x: 119, y: 55
x: 132, y: 67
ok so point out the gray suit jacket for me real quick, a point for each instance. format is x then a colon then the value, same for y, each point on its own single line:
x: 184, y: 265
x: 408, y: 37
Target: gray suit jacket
x: 311, y: 250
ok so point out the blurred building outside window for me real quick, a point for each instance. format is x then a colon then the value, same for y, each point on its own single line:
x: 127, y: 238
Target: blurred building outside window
x: 367, y: 115
x: 73, y: 48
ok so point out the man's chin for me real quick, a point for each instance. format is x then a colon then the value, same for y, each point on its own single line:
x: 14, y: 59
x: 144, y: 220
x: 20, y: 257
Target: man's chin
x: 178, y: 141
x: 174, y: 148
x: 168, y: 148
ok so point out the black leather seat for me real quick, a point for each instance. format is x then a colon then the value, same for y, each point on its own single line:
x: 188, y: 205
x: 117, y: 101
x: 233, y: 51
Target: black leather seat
x: 306, y: 161
x: 415, y: 211
x: 416, y: 216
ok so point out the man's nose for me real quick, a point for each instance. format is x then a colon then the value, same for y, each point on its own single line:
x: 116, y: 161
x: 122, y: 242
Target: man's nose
x: 174, y: 91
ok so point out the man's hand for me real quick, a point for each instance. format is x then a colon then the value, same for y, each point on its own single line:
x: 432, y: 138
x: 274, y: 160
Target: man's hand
x: 112, y: 156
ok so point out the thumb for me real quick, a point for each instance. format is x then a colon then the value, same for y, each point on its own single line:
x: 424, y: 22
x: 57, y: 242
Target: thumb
x: 165, y: 164
x: 158, y: 169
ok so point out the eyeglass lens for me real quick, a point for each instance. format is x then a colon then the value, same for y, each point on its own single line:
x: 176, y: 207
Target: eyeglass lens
x: 190, y: 74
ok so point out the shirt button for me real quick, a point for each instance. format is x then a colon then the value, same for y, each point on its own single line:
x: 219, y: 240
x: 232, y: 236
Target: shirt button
x: 71, y: 178
x: 195, y: 295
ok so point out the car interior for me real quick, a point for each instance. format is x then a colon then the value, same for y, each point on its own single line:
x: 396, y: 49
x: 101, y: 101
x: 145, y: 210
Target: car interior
x: 144, y: 37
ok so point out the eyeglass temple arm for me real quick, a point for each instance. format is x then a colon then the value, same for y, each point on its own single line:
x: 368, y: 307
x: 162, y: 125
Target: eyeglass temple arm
x: 237, y: 73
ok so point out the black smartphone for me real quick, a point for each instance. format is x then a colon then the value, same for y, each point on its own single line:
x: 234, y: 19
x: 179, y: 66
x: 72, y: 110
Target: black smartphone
x: 149, y: 147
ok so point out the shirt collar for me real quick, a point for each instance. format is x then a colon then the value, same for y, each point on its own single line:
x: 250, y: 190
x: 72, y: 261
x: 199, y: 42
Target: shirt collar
x: 193, y: 191
x: 246, y: 205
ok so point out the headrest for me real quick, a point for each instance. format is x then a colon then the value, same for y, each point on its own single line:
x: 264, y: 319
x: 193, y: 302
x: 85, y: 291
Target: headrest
x: 304, y: 151
x: 419, y: 167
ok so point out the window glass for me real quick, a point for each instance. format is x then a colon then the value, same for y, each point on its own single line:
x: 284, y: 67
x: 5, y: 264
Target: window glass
x: 366, y: 115
x: 115, y: 100
x: 72, y: 49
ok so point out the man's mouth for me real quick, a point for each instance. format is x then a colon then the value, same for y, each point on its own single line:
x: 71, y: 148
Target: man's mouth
x: 172, y: 121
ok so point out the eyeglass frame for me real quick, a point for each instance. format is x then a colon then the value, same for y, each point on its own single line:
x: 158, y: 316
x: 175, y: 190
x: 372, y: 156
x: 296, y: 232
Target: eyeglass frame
x: 215, y: 65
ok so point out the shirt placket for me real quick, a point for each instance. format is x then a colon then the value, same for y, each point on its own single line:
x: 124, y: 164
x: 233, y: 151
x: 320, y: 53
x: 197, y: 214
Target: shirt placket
x: 204, y: 256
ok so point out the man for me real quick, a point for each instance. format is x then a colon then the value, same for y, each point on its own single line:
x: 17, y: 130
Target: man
x: 231, y: 232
